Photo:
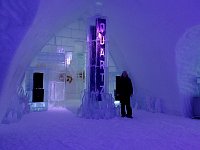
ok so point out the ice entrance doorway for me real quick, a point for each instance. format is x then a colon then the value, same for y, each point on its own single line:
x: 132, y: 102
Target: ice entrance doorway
x: 62, y: 60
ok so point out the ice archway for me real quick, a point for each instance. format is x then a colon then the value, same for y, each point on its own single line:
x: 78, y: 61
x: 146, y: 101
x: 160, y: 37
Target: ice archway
x: 31, y: 37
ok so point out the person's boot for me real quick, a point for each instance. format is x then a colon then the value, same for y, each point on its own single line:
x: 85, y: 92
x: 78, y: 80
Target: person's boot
x: 129, y: 116
x: 123, y: 116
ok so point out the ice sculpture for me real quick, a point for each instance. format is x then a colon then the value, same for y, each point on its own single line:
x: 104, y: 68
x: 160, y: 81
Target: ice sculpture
x: 19, y: 105
x: 97, y: 106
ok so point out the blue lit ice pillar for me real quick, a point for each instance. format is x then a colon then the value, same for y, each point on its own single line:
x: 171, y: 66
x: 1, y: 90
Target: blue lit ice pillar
x: 92, y: 60
x: 98, y: 61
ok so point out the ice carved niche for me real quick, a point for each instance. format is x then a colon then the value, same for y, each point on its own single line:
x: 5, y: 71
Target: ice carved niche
x: 188, y: 66
x: 188, y: 60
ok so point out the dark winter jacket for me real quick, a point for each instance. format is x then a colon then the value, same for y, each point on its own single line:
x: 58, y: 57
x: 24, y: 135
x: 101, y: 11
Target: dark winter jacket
x: 126, y: 88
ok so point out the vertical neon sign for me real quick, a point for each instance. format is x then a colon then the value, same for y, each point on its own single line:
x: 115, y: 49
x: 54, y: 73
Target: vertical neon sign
x: 97, y: 56
x: 100, y: 54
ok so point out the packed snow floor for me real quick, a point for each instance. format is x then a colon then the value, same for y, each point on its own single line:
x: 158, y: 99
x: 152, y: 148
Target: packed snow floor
x: 60, y: 129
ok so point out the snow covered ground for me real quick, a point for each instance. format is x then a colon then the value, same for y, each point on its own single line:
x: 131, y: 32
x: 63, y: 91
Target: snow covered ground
x: 60, y: 129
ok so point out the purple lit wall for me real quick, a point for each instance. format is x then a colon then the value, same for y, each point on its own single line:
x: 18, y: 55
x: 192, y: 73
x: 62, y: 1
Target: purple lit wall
x: 13, y: 27
x: 16, y: 19
x: 147, y: 33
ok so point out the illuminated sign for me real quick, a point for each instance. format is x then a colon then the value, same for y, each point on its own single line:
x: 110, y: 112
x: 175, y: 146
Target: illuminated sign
x: 97, y: 55
x: 100, y: 54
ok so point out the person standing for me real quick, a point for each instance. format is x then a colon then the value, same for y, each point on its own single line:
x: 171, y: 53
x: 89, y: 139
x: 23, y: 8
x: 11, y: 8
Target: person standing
x: 125, y: 91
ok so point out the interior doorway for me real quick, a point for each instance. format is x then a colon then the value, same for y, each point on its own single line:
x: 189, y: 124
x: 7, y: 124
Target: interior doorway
x: 63, y: 62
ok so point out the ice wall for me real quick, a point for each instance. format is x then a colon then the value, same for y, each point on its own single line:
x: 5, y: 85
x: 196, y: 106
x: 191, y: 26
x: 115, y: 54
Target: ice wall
x: 146, y: 33
x: 188, y: 66
x: 16, y: 18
